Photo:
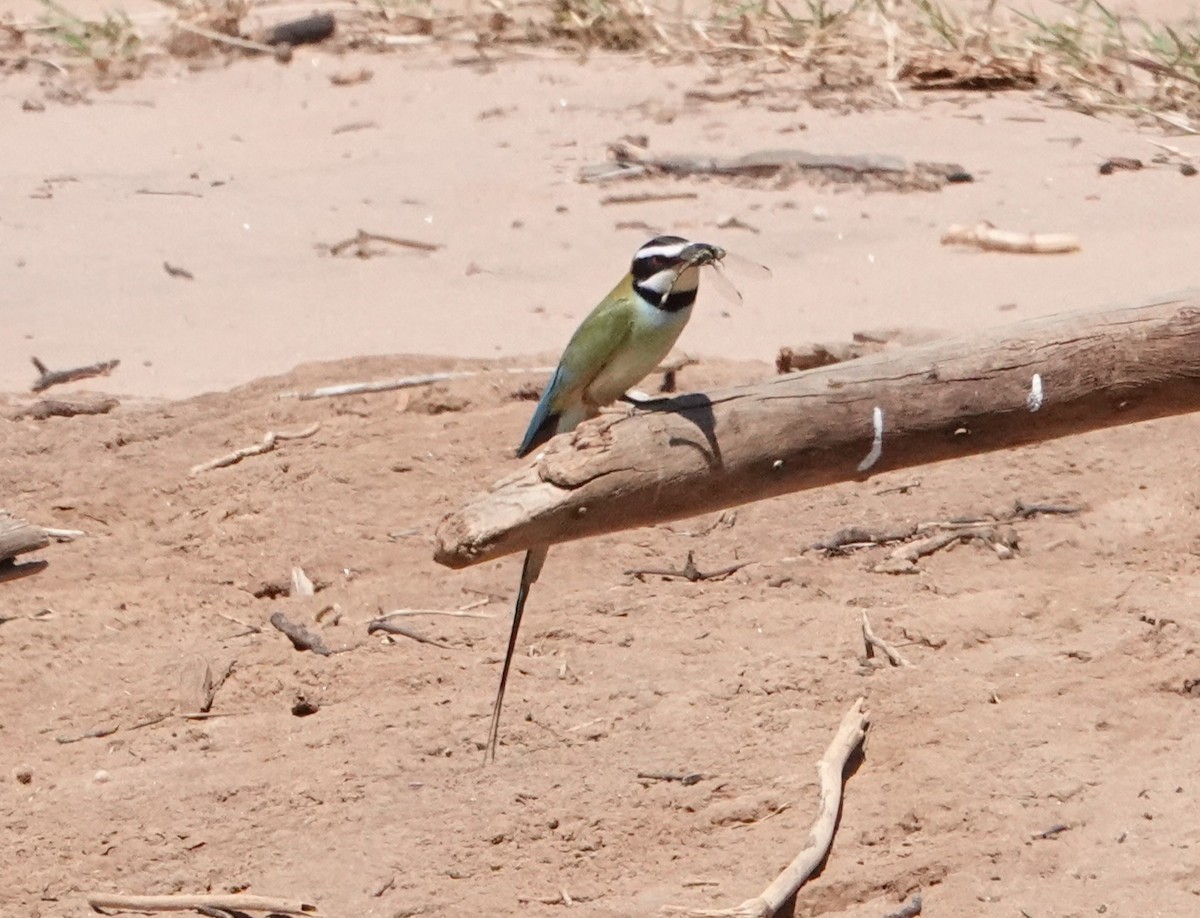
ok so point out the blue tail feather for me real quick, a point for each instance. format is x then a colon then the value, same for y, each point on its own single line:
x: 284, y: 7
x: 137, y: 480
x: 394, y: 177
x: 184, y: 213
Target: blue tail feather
x: 544, y: 423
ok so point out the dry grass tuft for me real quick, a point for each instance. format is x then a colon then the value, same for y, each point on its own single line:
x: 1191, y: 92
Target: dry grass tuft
x: 852, y: 53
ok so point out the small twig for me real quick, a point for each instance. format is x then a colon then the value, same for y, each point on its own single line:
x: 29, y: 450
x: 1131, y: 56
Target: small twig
x: 688, y: 572
x: 1024, y: 511
x: 360, y: 243
x: 176, y: 271
x: 232, y: 41
x: 50, y: 378
x: 229, y: 902
x: 1174, y: 151
x: 563, y: 898
x: 268, y: 443
x: 301, y: 637
x: 874, y: 642
x: 170, y: 194
x: 392, y: 628
x: 151, y: 722
x: 452, y: 613
x: 985, y: 236
x: 903, y: 560
x: 405, y: 382
x: 1051, y: 832
x: 250, y: 629
x: 208, y: 715
x: 94, y: 733
x: 45, y: 62
x: 212, y: 686
x: 831, y: 771
x: 353, y: 126
x: 686, y: 780
x: 648, y: 196
x: 900, y: 489
x: 383, y: 886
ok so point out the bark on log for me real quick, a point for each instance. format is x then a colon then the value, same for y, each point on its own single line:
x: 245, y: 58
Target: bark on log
x: 1010, y: 386
x: 18, y: 537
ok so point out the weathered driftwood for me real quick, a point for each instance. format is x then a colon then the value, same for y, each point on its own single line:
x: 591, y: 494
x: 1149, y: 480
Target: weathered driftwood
x: 18, y: 537
x: 993, y: 239
x: 1024, y: 383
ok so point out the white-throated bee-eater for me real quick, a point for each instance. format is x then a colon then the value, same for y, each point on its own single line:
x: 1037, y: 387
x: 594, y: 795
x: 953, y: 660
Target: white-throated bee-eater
x: 617, y: 345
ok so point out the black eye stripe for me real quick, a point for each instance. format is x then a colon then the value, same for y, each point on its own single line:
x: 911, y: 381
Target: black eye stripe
x: 645, y: 266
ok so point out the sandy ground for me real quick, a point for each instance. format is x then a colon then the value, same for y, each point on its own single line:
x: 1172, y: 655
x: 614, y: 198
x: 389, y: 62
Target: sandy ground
x: 1051, y: 693
x: 485, y: 165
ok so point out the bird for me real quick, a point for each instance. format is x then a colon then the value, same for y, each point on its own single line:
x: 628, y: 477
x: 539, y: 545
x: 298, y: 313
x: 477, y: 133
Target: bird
x: 621, y: 341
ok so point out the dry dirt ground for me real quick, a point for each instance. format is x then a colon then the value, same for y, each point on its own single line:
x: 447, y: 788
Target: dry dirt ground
x: 1039, y: 758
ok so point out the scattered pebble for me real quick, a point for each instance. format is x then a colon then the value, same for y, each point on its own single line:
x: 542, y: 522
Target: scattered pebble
x: 23, y: 774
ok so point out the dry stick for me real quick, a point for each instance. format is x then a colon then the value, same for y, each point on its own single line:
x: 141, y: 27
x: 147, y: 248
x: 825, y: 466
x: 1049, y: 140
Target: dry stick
x: 392, y: 628
x: 50, y: 378
x: 233, y: 41
x: 855, y: 536
x: 94, y: 733
x: 831, y: 771
x: 362, y: 237
x: 1006, y: 387
x: 404, y: 382
x: 268, y: 443
x: 184, y: 903
x: 873, y: 642
x: 45, y: 62
x: 904, y: 559
x: 688, y: 572
x: 59, y: 408
x: 453, y: 613
x: 987, y: 237
x: 250, y: 629
x: 647, y: 197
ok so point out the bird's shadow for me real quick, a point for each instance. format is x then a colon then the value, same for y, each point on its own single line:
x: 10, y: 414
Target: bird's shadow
x: 697, y: 408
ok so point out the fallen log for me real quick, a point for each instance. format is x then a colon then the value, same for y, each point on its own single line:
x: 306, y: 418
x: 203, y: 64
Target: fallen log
x: 18, y: 537
x: 1010, y: 386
